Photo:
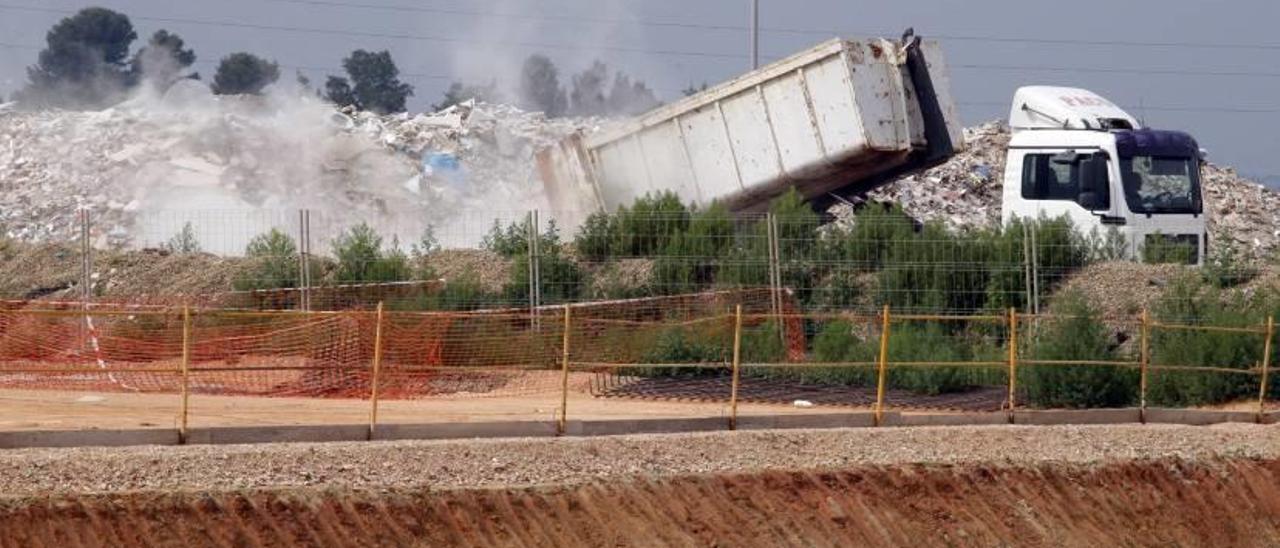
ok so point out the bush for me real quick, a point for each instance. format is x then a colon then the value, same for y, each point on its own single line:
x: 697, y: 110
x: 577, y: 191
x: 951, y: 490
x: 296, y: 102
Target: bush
x: 184, y: 242
x: 684, y: 347
x: 1227, y: 266
x: 1078, y: 335
x: 463, y: 293
x: 273, y: 260
x: 648, y: 226
x: 1189, y: 300
x: 598, y: 237
x: 361, y: 258
x: 692, y: 257
x: 560, y: 279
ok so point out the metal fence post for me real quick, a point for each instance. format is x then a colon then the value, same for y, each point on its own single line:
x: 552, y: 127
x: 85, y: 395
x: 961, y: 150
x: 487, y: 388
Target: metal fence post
x: 535, y: 274
x: 186, y: 372
x: 1266, y: 364
x: 304, y: 259
x: 86, y: 275
x: 882, y: 366
x: 1144, y: 357
x: 737, y: 365
x: 377, y: 370
x: 562, y: 423
x: 1013, y: 361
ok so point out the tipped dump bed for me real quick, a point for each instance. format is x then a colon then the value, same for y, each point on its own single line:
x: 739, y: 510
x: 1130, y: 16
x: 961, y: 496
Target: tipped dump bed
x: 843, y: 115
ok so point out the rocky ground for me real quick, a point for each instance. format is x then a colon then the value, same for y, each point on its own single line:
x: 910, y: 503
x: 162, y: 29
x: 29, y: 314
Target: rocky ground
x: 516, y: 462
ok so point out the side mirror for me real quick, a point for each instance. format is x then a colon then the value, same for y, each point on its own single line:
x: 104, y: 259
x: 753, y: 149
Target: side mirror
x: 1095, y: 190
x: 1091, y: 201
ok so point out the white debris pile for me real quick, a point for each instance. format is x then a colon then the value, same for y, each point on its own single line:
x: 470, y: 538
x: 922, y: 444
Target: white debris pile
x: 153, y: 158
x: 966, y: 192
x: 962, y: 192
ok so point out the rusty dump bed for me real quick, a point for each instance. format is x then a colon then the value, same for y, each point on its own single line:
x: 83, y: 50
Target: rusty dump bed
x: 846, y: 114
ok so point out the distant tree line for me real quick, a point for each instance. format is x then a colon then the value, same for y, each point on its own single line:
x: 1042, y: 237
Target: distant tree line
x: 89, y: 61
x: 596, y: 91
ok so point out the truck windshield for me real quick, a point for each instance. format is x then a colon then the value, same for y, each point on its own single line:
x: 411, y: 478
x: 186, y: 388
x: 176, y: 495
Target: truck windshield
x: 1161, y: 184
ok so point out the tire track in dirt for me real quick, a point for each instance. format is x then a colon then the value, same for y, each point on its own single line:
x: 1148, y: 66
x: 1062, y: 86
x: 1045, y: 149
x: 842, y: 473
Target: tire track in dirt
x: 1167, y: 502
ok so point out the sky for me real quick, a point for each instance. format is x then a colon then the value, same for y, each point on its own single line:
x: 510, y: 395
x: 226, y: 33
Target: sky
x: 1209, y: 68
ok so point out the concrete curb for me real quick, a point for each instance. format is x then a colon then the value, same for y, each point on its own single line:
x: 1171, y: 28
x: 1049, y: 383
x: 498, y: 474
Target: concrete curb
x: 967, y: 419
x: 1081, y: 416
x: 544, y: 429
x: 88, y: 438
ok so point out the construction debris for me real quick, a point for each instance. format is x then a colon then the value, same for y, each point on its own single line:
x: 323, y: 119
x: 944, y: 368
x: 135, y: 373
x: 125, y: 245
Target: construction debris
x: 137, y: 163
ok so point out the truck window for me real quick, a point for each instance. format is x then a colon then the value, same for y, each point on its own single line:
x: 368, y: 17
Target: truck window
x: 1044, y: 180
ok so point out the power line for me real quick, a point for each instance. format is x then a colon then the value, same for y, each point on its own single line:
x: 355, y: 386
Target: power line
x: 416, y: 37
x: 966, y: 66
x: 803, y: 31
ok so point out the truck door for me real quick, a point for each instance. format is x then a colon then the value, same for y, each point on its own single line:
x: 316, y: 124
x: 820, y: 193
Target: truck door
x: 1052, y: 183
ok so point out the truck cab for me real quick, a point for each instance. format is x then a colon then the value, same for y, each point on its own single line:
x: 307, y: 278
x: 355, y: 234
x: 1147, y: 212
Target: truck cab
x: 1073, y: 153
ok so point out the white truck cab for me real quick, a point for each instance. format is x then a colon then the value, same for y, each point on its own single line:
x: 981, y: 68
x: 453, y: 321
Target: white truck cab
x: 1074, y: 153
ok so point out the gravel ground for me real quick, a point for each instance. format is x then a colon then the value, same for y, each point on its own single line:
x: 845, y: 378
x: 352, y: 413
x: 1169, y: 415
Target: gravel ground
x: 519, y: 462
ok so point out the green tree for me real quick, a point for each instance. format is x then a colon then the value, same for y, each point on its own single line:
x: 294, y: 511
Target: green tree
x: 244, y: 74
x: 273, y: 263
x: 362, y: 259
x: 84, y: 63
x: 372, y: 83
x: 162, y: 60
x: 628, y: 98
x: 588, y: 96
x: 540, y: 87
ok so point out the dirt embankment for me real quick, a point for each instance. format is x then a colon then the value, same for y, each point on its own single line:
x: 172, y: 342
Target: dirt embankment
x: 1130, y: 485
x: 1167, y: 503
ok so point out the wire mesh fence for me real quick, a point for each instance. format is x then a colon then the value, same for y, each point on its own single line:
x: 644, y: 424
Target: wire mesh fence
x: 722, y: 347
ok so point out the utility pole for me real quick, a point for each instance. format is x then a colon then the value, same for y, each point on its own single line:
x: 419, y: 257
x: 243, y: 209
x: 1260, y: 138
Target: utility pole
x: 755, y: 34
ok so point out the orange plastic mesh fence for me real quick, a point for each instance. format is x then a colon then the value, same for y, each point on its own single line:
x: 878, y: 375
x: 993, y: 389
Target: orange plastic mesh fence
x: 135, y: 348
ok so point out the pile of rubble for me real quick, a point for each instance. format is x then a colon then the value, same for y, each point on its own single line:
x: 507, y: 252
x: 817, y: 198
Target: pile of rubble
x: 151, y: 158
x: 966, y: 192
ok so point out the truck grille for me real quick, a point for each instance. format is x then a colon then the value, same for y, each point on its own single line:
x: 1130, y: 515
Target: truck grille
x: 1172, y: 248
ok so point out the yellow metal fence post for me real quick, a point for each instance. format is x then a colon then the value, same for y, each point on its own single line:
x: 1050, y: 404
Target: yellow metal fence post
x: 1266, y: 364
x: 1144, y: 357
x: 737, y: 365
x: 563, y: 421
x: 186, y: 372
x: 882, y: 366
x: 377, y: 370
x: 1013, y: 361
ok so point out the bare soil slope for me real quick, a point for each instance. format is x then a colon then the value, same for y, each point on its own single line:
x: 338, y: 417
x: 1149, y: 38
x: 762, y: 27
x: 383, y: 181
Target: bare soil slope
x: 1173, y: 503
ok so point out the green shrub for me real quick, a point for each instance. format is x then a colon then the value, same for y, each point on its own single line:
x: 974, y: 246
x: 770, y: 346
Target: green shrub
x: 463, y: 293
x: 691, y: 259
x: 1227, y: 266
x: 1189, y: 300
x: 1077, y: 335
x: 184, y: 242
x: 647, y: 227
x: 273, y: 263
x: 865, y: 245
x: 560, y: 279
x: 680, y: 346
x: 598, y: 237
x: 362, y: 259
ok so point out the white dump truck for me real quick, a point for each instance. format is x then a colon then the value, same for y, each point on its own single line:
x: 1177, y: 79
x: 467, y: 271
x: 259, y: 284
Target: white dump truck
x: 1074, y: 153
x: 845, y: 115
